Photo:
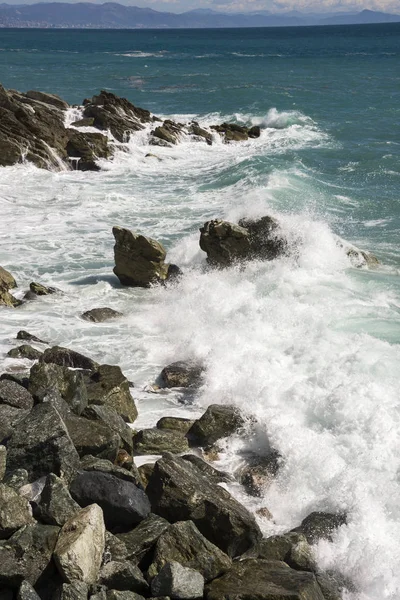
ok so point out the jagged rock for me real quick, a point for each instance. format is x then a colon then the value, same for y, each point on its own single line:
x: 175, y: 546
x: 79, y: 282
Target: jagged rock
x: 92, y: 437
x: 9, y: 417
x: 232, y: 132
x: 42, y: 444
x: 139, y: 260
x: 320, y: 525
x: 32, y: 491
x: 98, y: 315
x: 207, y: 470
x: 77, y: 590
x: 266, y: 241
x: 52, y: 99
x: 178, y: 582
x: 124, y: 504
x: 80, y: 546
x: 175, y: 424
x: 70, y: 384
x: 108, y: 386
x: 169, y: 132
x: 68, y: 358
x: 198, y: 131
x: 7, y: 281
x: 110, y: 417
x: 91, y: 463
x: 183, y: 543
x: 13, y: 394
x: 7, y: 299
x: 87, y: 148
x: 258, y: 473
x: 217, y: 422
x: 3, y: 461
x: 16, y: 479
x: 25, y: 351
x: 27, y: 554
x: 21, y: 377
x: 27, y: 592
x: 178, y: 491
x: 25, y: 335
x: 123, y: 576
x: 181, y: 374
x: 145, y: 472
x: 140, y: 541
x: 86, y: 122
x: 115, y: 549
x: 56, y: 505
x: 291, y: 548
x: 254, y: 132
x: 15, y: 512
x: 263, y: 580
x: 41, y: 290
x: 157, y: 441
x: 333, y: 585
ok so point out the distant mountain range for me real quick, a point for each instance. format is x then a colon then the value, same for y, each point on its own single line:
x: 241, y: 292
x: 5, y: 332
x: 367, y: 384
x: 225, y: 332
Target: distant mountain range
x: 117, y: 16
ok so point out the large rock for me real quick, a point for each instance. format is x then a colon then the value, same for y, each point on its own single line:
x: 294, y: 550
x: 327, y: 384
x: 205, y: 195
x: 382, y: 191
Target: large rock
x: 92, y: 437
x: 109, y: 416
x: 139, y: 260
x: 70, y: 384
x: 183, y: 543
x: 175, y: 424
x: 178, y: 491
x: 98, y: 315
x: 291, y: 548
x: 124, y: 504
x: 25, y: 351
x: 178, y: 582
x: 16, y: 395
x: 123, y: 576
x: 217, y: 422
x: 157, y: 441
x: 68, y: 358
x: 263, y: 580
x: 56, y: 505
x: 80, y: 546
x: 52, y: 99
x: 9, y: 417
x: 206, y: 469
x: 7, y: 281
x: 181, y: 374
x: 140, y: 541
x: 320, y: 525
x: 108, y: 386
x: 15, y: 512
x: 29, y: 337
x: 27, y: 592
x: 84, y: 149
x: 77, y: 590
x: 92, y: 463
x: 41, y: 444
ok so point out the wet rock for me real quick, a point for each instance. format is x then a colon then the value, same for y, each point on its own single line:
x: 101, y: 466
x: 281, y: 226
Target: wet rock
x: 7, y: 299
x: 110, y: 417
x: 254, y: 132
x: 320, y: 525
x: 333, y: 585
x: 183, y: 543
x: 52, y: 99
x: 68, y: 358
x: 217, y: 422
x: 42, y: 444
x: 80, y: 546
x: 140, y: 541
x: 21, y: 377
x: 9, y: 417
x: 175, y: 424
x: 70, y: 384
x: 27, y: 592
x: 91, y: 463
x: 92, y: 437
x: 115, y: 549
x: 124, y: 504
x: 178, y: 582
x: 15, y: 512
x: 7, y: 281
x: 56, y: 505
x: 199, y: 132
x: 169, y: 132
x: 41, y: 290
x: 157, y: 441
x: 29, y: 337
x: 25, y: 351
x: 86, y: 148
x: 266, y: 241
x: 207, y: 470
x: 99, y: 315
x: 145, y: 472
x: 264, y: 580
x: 13, y: 394
x: 258, y: 473
x: 359, y: 258
x: 231, y: 132
x: 77, y: 590
x: 139, y: 260
x: 3, y: 461
x: 27, y: 554
x: 86, y: 122
x: 123, y: 576
x: 108, y: 386
x: 291, y: 548
x: 181, y: 374
x: 178, y: 491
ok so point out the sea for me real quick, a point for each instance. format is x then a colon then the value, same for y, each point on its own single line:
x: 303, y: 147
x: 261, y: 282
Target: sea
x: 307, y: 344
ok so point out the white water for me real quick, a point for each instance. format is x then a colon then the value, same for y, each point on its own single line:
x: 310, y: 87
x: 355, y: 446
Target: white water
x: 303, y: 342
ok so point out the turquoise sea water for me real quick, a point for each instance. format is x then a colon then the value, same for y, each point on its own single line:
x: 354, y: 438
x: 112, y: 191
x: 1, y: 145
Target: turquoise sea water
x: 308, y: 344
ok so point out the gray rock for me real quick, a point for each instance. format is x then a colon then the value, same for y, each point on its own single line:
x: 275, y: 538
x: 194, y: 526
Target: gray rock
x: 157, y: 441
x: 181, y: 374
x: 320, y: 525
x: 13, y: 394
x: 25, y: 351
x: 217, y: 422
x: 141, y: 540
x: 124, y: 504
x: 26, y: 592
x: 17, y: 479
x: 3, y: 461
x: 45, y: 377
x: 27, y: 554
x: 42, y: 444
x: 92, y: 437
x: 29, y: 337
x: 41, y: 290
x: 32, y: 491
x: 92, y: 463
x: 117, y: 595
x: 206, y: 469
x: 15, y: 512
x: 123, y: 576
x: 9, y: 418
x: 183, y: 543
x: 175, y: 424
x: 108, y: 386
x: 87, y: 122
x: 68, y: 358
x: 52, y: 99
x: 263, y: 580
x: 115, y: 549
x: 291, y: 548
x: 178, y: 582
x: 178, y: 491
x: 109, y: 416
x: 56, y: 505
x: 88, y: 147
x: 21, y: 377
x: 77, y: 590
x: 98, y: 315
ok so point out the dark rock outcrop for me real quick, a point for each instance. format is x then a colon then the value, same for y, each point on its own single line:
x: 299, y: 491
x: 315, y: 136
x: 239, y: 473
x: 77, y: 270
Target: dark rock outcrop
x: 175, y: 424
x: 68, y: 358
x: 84, y: 149
x: 140, y: 541
x: 109, y: 416
x: 123, y: 576
x: 92, y: 437
x: 157, y: 441
x: 108, y: 386
x: 178, y: 582
x: 181, y: 374
x: 7, y: 281
x: 98, y: 315
x: 320, y: 525
x: 29, y: 337
x: 16, y: 395
x: 217, y: 422
x: 56, y: 505
x: 25, y: 351
x: 45, y: 377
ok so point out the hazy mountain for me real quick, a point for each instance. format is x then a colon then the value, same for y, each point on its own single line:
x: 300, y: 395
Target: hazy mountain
x: 117, y: 16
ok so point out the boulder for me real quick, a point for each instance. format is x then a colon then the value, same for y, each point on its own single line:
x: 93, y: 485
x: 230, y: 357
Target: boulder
x: 320, y: 525
x: 109, y: 416
x: 86, y: 148
x: 181, y: 374
x: 140, y: 541
x: 52, y: 99
x: 16, y: 395
x: 201, y: 133
x: 7, y: 299
x: 25, y: 351
x: 41, y: 290
x: 175, y: 424
x: 263, y: 580
x: 178, y: 491
x: 17, y: 479
x: 27, y: 554
x: 91, y: 463
x: 15, y: 512
x: 70, y: 384
x: 266, y: 240
x: 207, y: 470
x: 80, y: 546
x: 7, y: 281
x: 86, y: 122
x: 124, y: 504
x: 178, y: 582
x: 157, y: 441
x: 123, y: 576
x: 183, y: 543
x: 115, y: 549
x: 3, y: 461
x: 291, y: 548
x: 77, y: 590
x: 139, y: 260
x: 217, y: 422
x: 258, y: 472
x: 29, y: 337
x: 56, y: 505
x: 21, y: 377
x: 92, y: 437
x: 98, y: 315
x: 68, y: 358
x: 9, y: 417
x: 108, y: 386
x: 41, y: 443
x: 27, y: 592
